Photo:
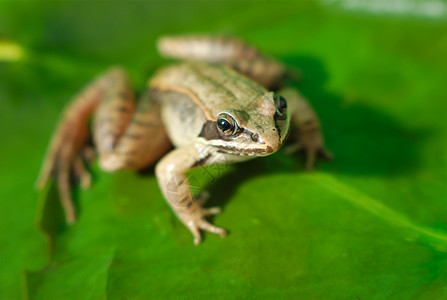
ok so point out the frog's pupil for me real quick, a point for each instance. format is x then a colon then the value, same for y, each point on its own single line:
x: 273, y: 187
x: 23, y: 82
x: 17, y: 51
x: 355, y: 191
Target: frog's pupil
x: 223, y: 124
x: 282, y: 103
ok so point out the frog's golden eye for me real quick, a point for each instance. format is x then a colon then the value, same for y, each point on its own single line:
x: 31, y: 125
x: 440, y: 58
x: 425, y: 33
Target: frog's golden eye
x: 281, y: 106
x: 226, y: 124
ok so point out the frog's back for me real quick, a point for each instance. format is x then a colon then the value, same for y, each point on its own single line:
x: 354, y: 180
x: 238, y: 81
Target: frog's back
x: 213, y: 88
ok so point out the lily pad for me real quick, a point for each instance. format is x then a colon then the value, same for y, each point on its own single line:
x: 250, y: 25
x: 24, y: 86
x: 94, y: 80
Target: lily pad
x: 372, y: 224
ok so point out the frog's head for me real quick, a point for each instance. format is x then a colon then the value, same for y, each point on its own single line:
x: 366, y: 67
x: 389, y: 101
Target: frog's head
x: 258, y: 129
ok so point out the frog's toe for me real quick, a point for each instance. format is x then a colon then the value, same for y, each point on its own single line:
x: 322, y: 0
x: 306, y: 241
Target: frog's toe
x: 312, y: 153
x: 86, y: 181
x: 192, y: 226
x: 64, y: 186
x: 195, y: 226
x: 82, y: 173
x: 211, y: 228
x: 211, y: 211
x: 327, y: 154
x: 197, y: 240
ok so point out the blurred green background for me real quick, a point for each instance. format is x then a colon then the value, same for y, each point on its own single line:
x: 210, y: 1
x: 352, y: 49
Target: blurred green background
x: 372, y: 224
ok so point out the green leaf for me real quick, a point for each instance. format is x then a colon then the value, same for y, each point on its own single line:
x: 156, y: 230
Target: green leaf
x: 372, y: 224
x: 84, y: 276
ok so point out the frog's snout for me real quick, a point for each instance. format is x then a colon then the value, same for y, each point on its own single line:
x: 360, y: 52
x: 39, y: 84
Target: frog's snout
x: 274, y: 142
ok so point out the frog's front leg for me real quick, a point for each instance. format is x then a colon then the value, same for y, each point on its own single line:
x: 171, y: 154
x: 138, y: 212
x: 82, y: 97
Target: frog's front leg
x: 171, y: 175
x: 307, y: 135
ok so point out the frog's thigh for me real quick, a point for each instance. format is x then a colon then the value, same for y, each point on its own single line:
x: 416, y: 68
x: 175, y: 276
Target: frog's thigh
x: 171, y: 175
x: 132, y: 143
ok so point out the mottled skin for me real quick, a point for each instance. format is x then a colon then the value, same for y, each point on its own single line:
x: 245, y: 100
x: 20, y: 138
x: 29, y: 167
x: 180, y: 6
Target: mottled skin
x: 211, y: 113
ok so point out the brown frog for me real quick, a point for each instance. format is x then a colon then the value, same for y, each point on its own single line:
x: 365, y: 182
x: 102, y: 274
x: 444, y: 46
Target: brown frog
x: 214, y: 108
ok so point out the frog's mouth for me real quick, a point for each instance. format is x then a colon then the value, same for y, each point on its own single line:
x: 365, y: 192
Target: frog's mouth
x: 245, y: 152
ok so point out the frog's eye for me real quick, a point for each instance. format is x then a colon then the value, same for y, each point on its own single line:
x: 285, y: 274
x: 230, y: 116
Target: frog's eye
x: 281, y: 106
x: 226, y: 124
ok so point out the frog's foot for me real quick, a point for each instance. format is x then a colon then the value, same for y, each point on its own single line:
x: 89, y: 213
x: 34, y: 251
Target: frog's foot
x: 64, y: 162
x: 60, y: 166
x: 311, y: 152
x: 197, y: 221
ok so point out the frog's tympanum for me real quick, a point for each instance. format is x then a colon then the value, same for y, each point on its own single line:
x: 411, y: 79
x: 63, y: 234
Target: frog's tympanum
x: 215, y: 107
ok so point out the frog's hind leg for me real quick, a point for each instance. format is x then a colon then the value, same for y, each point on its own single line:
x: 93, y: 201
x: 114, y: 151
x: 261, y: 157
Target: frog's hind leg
x: 64, y: 154
x: 137, y: 144
x: 308, y: 136
x: 230, y: 51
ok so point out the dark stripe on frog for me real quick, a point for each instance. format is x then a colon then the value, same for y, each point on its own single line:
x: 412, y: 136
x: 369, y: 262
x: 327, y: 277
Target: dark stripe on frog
x: 201, y: 161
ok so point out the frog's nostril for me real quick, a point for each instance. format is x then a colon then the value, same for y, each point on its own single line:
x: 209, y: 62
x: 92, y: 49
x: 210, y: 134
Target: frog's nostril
x: 255, y: 137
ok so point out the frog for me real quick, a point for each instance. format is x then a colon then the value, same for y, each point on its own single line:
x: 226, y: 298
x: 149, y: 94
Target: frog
x: 221, y: 102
